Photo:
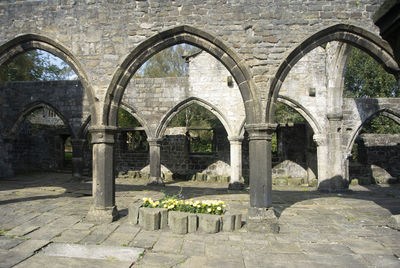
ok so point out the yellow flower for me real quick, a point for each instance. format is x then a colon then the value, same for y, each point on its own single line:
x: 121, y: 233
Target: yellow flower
x: 219, y: 208
x: 209, y: 209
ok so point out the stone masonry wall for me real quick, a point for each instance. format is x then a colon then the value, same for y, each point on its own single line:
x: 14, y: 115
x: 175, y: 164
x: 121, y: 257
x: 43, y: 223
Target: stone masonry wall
x: 378, y: 157
x: 152, y: 98
x: 67, y: 97
x: 100, y: 34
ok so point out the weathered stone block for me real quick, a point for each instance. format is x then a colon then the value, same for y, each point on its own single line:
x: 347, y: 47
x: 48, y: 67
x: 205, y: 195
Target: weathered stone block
x: 394, y: 222
x: 178, y: 222
x: 262, y: 220
x: 238, y: 221
x: 228, y: 223
x: 281, y: 181
x: 163, y: 217
x: 212, y: 178
x: 149, y: 218
x: 210, y: 223
x: 133, y: 212
x: 295, y: 181
x: 192, y: 223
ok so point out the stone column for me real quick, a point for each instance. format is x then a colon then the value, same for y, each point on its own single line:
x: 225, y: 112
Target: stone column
x: 236, y: 182
x: 261, y: 215
x: 77, y: 157
x: 103, y: 208
x: 155, y: 161
x: 322, y: 158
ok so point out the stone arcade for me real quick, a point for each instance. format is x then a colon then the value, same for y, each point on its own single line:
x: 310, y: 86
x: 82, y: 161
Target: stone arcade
x: 286, y: 51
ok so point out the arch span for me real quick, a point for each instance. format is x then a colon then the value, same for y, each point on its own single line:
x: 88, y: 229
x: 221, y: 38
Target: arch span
x: 302, y: 111
x: 177, y: 35
x: 384, y: 112
x: 27, y: 42
x: 35, y: 106
x: 186, y: 103
x: 353, y: 35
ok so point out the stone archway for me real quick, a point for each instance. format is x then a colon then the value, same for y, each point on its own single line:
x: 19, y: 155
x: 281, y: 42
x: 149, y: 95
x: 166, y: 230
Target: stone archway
x: 29, y: 42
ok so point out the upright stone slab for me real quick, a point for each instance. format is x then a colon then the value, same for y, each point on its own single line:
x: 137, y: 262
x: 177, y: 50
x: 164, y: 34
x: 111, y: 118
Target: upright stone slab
x: 149, y: 219
x: 209, y: 223
x: 178, y: 222
x: 192, y: 222
x: 228, y: 223
x: 133, y: 213
x: 238, y: 221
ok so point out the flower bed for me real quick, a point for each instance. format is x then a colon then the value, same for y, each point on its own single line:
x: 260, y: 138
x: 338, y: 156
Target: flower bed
x: 214, y: 207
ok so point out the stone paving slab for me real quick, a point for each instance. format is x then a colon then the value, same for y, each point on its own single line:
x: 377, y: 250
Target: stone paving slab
x: 41, y: 261
x: 128, y: 254
x: 317, y: 229
x: 8, y: 243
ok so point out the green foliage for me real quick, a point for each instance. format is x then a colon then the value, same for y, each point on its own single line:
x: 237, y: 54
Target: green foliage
x: 195, y: 116
x: 201, y: 141
x: 169, y: 62
x: 285, y: 114
x: 215, y: 207
x: 364, y: 77
x: 381, y: 125
x: 35, y: 65
x: 125, y: 119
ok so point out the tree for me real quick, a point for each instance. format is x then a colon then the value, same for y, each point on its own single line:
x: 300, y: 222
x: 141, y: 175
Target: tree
x: 125, y: 119
x: 364, y: 78
x: 169, y: 62
x: 36, y: 65
x: 285, y: 114
x: 195, y: 116
x: 381, y: 125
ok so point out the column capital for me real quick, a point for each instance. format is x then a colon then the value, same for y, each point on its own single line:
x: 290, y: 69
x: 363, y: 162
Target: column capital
x: 320, y: 139
x: 334, y: 116
x: 154, y: 141
x: 102, y: 134
x: 235, y: 138
x: 262, y: 131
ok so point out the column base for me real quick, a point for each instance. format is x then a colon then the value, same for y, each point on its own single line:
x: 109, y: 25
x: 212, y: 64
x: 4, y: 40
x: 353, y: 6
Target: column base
x: 155, y: 181
x: 106, y: 215
x: 333, y: 185
x: 262, y: 220
x: 237, y: 185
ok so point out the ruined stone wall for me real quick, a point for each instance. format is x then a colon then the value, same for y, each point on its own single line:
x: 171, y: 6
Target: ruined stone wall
x: 101, y: 33
x: 357, y: 111
x: 378, y: 158
x: 175, y: 155
x: 37, y: 149
x: 67, y: 97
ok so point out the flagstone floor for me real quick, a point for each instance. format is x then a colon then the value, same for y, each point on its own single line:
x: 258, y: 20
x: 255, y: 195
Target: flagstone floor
x: 42, y: 224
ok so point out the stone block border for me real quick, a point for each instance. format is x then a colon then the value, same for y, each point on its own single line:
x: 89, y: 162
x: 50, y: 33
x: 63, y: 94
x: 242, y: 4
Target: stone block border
x: 182, y: 222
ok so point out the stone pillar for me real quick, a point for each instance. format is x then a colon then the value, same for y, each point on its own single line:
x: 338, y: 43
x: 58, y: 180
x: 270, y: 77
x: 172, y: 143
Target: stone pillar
x: 155, y: 161
x: 77, y: 157
x: 322, y: 158
x: 261, y: 215
x: 236, y: 181
x: 331, y: 164
x: 103, y: 208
